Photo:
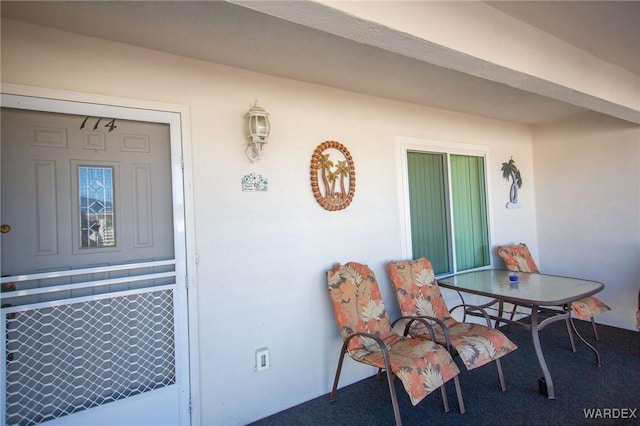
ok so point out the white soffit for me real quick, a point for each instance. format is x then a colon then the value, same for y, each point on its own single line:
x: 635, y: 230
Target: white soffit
x: 344, y: 20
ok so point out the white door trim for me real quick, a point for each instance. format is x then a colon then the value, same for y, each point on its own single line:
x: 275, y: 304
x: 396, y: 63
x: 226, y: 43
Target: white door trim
x: 177, y: 116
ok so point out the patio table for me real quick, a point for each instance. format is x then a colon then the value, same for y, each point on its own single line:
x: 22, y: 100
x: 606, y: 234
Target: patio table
x: 534, y: 291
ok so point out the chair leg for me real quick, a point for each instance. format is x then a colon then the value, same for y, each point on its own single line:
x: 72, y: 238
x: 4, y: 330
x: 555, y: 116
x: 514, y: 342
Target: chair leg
x: 334, y: 390
x: 392, y: 389
x: 379, y: 374
x: 459, y: 394
x: 496, y: 324
x: 445, y: 401
x: 503, y: 386
x: 513, y: 314
x: 573, y: 344
x: 464, y: 310
x: 394, y: 398
x: 390, y: 380
x: 595, y: 330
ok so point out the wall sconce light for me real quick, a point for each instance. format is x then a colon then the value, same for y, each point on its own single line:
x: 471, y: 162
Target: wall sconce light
x: 258, y: 128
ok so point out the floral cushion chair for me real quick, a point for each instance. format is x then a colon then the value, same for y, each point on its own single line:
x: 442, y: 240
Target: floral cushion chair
x: 518, y: 258
x: 418, y: 294
x: 422, y: 365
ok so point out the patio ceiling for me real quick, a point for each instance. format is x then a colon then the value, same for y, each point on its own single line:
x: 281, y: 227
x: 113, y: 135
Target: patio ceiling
x: 276, y: 38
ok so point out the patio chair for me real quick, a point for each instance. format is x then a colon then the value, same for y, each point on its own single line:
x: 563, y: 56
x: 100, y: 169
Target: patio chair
x: 518, y: 258
x: 368, y: 337
x: 419, y: 295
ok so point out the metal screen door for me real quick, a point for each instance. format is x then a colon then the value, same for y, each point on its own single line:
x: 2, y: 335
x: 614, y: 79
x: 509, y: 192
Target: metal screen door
x: 93, y: 286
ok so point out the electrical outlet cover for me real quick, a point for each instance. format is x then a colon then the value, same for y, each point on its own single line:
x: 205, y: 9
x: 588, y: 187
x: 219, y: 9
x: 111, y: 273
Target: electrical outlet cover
x: 262, y: 359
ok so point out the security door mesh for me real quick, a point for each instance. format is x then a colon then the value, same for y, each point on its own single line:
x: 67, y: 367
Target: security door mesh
x: 67, y: 358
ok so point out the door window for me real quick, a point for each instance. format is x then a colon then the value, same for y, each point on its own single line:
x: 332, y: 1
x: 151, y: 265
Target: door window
x: 97, y: 220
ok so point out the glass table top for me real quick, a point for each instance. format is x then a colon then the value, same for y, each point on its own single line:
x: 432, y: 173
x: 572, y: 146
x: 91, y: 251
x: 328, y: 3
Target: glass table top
x: 537, y: 289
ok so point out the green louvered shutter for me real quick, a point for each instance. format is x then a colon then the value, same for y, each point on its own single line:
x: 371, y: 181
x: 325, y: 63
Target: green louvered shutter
x: 428, y: 209
x: 471, y: 231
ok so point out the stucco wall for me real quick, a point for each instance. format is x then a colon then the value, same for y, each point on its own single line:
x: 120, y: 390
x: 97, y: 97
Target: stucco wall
x: 262, y: 256
x: 587, y: 173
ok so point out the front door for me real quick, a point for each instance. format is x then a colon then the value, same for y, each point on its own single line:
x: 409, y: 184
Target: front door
x: 93, y: 313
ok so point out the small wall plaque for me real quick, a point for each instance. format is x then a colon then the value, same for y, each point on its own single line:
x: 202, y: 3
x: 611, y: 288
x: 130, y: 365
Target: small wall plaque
x: 254, y: 183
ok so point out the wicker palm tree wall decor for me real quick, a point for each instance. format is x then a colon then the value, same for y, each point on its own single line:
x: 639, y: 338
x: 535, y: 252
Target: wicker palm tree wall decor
x: 333, y: 182
x: 510, y: 171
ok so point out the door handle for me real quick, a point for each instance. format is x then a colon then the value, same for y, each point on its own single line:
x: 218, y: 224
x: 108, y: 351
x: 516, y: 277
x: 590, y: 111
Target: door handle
x: 5, y: 229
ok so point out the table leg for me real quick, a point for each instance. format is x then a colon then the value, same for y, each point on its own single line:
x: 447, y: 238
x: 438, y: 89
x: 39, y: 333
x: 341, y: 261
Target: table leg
x: 536, y: 344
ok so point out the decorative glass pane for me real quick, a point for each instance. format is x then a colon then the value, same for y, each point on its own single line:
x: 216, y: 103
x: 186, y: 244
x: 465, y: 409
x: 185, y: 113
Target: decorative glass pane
x: 97, y: 222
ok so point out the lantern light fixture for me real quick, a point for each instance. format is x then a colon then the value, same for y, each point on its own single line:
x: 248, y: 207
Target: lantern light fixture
x: 258, y: 128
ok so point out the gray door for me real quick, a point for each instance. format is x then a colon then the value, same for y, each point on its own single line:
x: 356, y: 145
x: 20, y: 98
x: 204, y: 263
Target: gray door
x: 89, y: 271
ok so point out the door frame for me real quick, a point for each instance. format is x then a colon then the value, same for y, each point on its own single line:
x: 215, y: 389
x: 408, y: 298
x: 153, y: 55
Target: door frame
x: 177, y: 117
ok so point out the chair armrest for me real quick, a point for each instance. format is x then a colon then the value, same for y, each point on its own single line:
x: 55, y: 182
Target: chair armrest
x: 487, y: 304
x: 411, y: 320
x: 425, y: 320
x: 379, y: 341
x: 473, y: 308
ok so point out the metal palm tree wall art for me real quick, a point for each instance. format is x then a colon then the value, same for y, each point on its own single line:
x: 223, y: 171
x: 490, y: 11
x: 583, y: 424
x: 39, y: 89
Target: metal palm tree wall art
x: 333, y: 182
x: 510, y: 171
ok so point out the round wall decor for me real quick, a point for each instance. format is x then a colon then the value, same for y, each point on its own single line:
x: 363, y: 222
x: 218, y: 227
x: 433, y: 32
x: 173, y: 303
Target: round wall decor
x: 333, y: 176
